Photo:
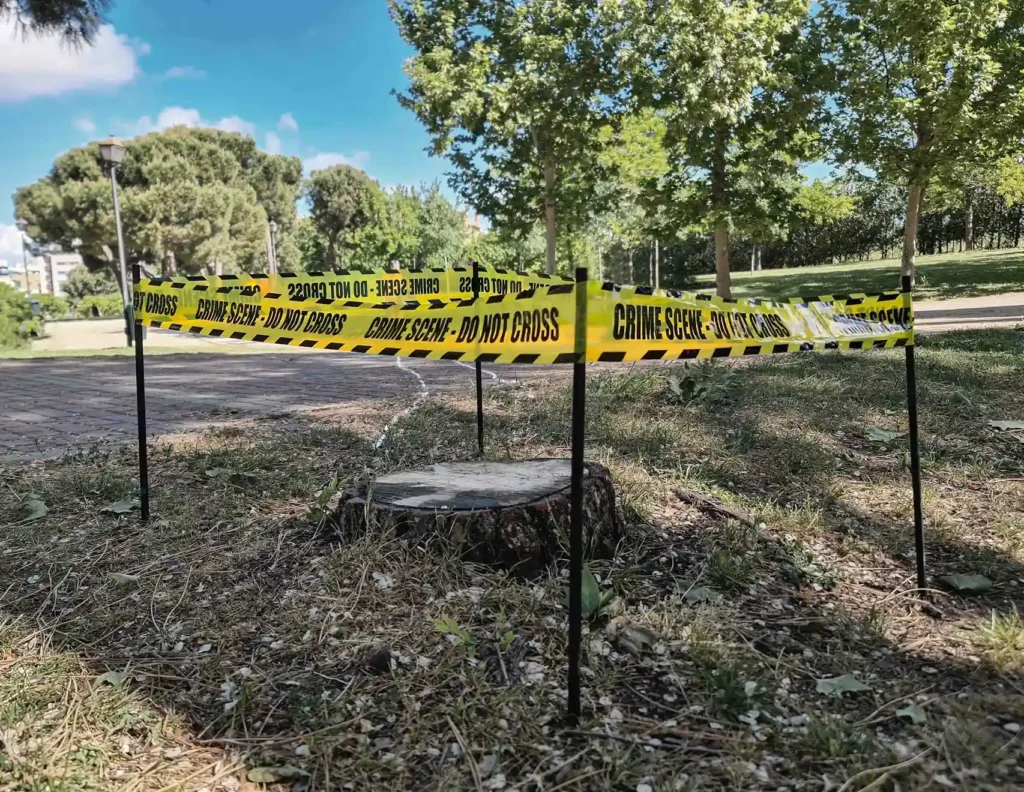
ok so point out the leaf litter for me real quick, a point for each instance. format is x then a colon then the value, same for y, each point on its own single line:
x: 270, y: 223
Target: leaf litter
x: 706, y: 691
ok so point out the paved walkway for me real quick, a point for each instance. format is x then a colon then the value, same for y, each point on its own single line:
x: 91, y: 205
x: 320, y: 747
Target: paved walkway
x: 50, y: 406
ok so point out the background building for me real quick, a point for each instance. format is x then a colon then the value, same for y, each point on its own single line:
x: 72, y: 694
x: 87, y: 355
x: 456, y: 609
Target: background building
x: 45, y: 273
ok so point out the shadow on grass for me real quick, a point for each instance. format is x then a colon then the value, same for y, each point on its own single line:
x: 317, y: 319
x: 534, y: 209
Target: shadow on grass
x: 238, y: 609
x: 940, y: 277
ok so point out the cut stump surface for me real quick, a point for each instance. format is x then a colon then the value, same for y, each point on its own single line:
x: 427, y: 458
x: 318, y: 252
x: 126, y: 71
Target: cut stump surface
x: 514, y: 514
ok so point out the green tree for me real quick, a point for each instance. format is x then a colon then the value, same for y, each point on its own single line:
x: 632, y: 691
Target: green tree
x: 81, y: 282
x: 188, y: 196
x: 349, y: 209
x: 77, y: 21
x: 312, y: 246
x: 634, y: 153
x: 732, y: 78
x: 514, y: 95
x: 923, y: 86
x: 442, y: 229
x: 405, y: 211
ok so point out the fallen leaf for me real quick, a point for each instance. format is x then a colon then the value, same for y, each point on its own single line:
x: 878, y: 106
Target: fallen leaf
x: 113, y: 678
x: 118, y: 577
x: 881, y: 435
x: 119, y: 507
x: 1005, y: 426
x: 967, y: 584
x: 383, y: 581
x: 836, y: 686
x: 914, y: 713
x: 636, y: 639
x: 33, y: 509
x: 271, y: 775
x: 698, y: 594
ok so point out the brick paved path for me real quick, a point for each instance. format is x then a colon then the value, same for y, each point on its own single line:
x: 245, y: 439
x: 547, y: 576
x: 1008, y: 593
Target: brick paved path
x: 50, y: 406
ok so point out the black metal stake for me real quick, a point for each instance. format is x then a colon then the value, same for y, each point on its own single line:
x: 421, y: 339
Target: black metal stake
x: 915, y: 451
x: 140, y: 400
x: 479, y: 373
x: 579, y: 407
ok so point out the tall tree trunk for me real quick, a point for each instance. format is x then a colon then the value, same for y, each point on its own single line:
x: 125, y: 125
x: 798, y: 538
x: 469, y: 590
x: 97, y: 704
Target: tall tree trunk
x: 753, y: 256
x: 969, y: 218
x: 758, y: 258
x: 1016, y: 228
x: 723, y: 280
x: 910, y: 230
x: 657, y: 267
x: 650, y: 266
x: 632, y: 277
x: 549, y: 213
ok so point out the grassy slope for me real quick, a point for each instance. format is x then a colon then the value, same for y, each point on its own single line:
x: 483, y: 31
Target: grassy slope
x: 244, y: 627
x: 939, y: 277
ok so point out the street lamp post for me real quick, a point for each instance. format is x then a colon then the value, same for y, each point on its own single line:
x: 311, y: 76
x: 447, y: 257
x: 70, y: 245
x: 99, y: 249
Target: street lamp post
x: 113, y: 153
x: 22, y: 224
x: 272, y: 264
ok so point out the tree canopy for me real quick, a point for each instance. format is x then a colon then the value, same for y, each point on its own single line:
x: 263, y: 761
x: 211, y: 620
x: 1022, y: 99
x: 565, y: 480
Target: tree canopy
x: 199, y: 194
x: 77, y: 21
x: 514, y: 96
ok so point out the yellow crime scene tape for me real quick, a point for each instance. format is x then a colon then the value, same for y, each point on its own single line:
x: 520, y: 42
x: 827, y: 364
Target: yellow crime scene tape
x: 526, y: 327
x: 414, y: 284
x: 620, y: 323
x: 633, y: 323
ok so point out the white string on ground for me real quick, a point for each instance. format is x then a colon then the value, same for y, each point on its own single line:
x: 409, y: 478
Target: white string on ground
x: 420, y: 397
x: 472, y: 367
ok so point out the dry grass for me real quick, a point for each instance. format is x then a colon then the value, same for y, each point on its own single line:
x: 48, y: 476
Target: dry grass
x: 248, y: 642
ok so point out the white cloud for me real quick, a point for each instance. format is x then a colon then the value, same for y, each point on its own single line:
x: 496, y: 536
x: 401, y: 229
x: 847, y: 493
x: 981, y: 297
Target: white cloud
x: 10, y: 246
x: 85, y: 125
x: 235, y: 124
x: 287, y: 123
x: 273, y: 144
x: 190, y: 117
x: 184, y: 73
x: 329, y: 159
x: 43, y: 66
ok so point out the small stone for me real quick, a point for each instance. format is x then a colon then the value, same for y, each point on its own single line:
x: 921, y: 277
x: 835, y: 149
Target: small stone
x: 1012, y: 728
x: 378, y: 660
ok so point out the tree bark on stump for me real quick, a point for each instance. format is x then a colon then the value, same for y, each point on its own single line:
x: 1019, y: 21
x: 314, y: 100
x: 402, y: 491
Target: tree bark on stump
x: 510, y: 514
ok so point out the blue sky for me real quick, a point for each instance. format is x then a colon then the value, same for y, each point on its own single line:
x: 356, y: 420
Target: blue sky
x: 310, y: 78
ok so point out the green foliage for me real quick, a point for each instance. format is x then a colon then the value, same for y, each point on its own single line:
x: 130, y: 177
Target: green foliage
x: 100, y: 305
x: 732, y: 79
x: 703, y: 383
x: 82, y: 282
x: 76, y: 21
x: 923, y: 89
x: 52, y: 307
x: 350, y: 210
x: 312, y: 246
x: 515, y: 97
x: 16, y: 319
x: 201, y: 194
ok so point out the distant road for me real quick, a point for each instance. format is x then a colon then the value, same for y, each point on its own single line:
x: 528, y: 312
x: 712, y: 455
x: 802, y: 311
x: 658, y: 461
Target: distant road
x: 970, y: 313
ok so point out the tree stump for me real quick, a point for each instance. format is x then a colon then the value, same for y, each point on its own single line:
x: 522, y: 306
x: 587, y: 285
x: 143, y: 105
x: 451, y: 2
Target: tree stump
x: 511, y: 514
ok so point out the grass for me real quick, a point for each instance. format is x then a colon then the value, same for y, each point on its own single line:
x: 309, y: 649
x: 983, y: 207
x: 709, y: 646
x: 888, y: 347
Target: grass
x: 236, y: 637
x: 976, y: 274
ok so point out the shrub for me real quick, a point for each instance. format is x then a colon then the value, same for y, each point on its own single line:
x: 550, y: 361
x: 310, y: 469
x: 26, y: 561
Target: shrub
x: 82, y: 283
x: 100, y: 305
x: 16, y: 321
x: 53, y: 307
